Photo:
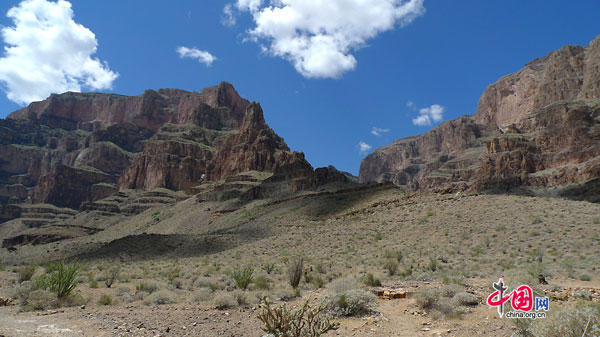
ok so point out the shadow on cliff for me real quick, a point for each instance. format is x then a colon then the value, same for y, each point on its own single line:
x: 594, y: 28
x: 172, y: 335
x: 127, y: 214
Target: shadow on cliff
x: 149, y: 246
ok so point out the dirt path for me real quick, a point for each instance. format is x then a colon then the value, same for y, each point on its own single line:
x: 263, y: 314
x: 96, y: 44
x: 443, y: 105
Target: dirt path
x: 34, y: 324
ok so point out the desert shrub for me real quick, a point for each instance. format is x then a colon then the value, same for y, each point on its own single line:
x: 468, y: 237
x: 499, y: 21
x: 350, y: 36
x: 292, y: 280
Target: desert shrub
x: 110, y: 275
x: 240, y: 297
x: 579, y: 321
x: 224, y: 301
x: 371, y: 281
x: 346, y: 298
x: 317, y: 281
x: 287, y: 294
x: 122, y: 290
x: 105, y: 299
x: 394, y: 255
x: 243, y: 277
x: 433, y: 264
x: 159, y: 297
x: 294, y: 271
x: 25, y: 273
x: 269, y: 268
x: 343, y: 285
x: 41, y: 299
x: 61, y: 281
x: 147, y: 286
x: 354, y: 302
x: 426, y: 299
x: 465, y: 299
x: 585, y: 277
x: 262, y: 282
x: 442, y: 302
x: 206, y: 283
x: 306, y: 321
x: 391, y: 266
x: 202, y: 295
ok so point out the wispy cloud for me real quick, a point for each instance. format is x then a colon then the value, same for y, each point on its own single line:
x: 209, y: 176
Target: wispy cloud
x: 378, y: 131
x: 201, y: 55
x: 228, y: 18
x: 318, y: 37
x: 364, y: 147
x: 430, y: 115
x: 411, y: 105
x: 47, y: 52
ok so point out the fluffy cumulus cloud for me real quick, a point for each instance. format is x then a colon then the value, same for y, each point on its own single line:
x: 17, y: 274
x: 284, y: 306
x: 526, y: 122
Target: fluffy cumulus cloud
x: 364, y: 147
x: 375, y: 131
x: 194, y: 53
x: 317, y: 36
x: 48, y: 52
x: 430, y: 115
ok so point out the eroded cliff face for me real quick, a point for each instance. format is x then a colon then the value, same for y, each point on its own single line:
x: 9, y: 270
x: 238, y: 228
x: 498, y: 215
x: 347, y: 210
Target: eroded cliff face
x: 536, y: 129
x: 78, y: 148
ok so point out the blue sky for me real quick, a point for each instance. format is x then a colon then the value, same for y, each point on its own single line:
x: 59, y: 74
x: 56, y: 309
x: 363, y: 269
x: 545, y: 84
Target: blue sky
x: 440, y: 57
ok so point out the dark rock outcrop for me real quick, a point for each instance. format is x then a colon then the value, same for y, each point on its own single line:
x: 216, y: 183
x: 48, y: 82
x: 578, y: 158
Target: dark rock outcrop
x: 536, y: 130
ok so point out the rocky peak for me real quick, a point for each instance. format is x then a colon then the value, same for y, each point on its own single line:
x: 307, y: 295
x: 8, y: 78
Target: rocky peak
x: 535, y: 131
x: 569, y: 73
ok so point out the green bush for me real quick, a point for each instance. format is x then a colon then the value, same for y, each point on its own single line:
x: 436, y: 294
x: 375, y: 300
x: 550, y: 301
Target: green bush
x: 62, y: 280
x: 224, y: 301
x: 162, y: 296
x: 262, y: 282
x: 585, y: 277
x: 25, y: 273
x: 391, y: 266
x: 41, y: 300
x: 105, y: 300
x: 146, y: 286
x: 582, y: 320
x: 269, y: 267
x: 243, y: 277
x: 394, y: 255
x: 295, y: 271
x: 371, y: 281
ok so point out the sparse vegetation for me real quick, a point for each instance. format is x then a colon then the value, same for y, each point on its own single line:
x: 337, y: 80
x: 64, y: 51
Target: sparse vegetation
x: 25, y: 273
x: 371, y: 281
x: 294, y: 271
x: 306, y: 321
x: 111, y: 275
x: 159, y: 297
x: 243, y: 277
x: 105, y: 299
x: 391, y: 266
x: 61, y: 281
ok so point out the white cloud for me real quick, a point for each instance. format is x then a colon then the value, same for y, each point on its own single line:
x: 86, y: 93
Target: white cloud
x: 364, y: 147
x: 229, y: 17
x: 430, y: 115
x: 194, y: 53
x: 378, y: 131
x: 47, y: 52
x: 318, y: 37
x: 411, y: 105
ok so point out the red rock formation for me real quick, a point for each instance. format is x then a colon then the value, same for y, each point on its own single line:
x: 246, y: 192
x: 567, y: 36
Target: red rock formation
x: 539, y: 127
x: 75, y: 148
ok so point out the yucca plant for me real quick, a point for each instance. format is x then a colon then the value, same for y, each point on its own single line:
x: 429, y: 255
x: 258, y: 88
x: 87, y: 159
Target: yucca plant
x: 243, y: 277
x: 61, y: 281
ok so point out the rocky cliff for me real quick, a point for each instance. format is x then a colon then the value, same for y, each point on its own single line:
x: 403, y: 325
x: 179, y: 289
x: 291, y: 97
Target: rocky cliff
x: 536, y: 130
x: 77, y: 148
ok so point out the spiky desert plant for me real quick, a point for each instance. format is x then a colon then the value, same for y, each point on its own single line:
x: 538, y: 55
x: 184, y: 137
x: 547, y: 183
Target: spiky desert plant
x: 294, y: 271
x: 305, y: 321
x: 243, y: 277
